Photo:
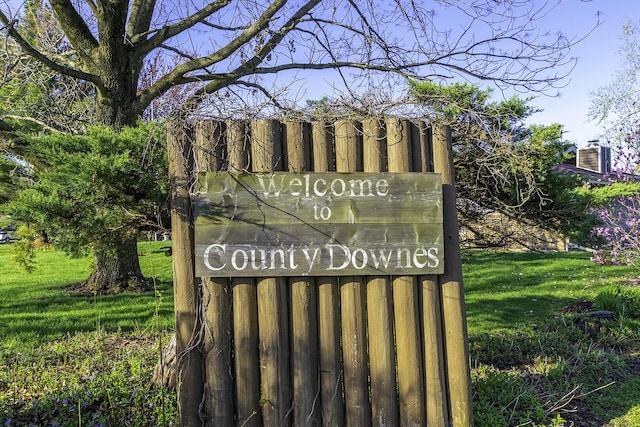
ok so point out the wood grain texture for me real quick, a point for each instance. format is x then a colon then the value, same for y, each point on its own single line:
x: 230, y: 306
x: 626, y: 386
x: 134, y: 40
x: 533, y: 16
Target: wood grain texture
x: 329, y: 316
x: 348, y: 144
x: 190, y: 377
x: 216, y: 299
x: 405, y: 298
x: 241, y: 218
x: 382, y: 357
x: 273, y: 301
x: 245, y: 305
x: 453, y: 306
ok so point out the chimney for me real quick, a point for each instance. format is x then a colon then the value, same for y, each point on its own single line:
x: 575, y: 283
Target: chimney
x: 594, y: 158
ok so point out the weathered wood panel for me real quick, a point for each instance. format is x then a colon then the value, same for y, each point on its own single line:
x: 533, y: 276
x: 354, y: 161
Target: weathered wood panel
x: 392, y: 249
x: 312, y: 198
x: 389, y: 224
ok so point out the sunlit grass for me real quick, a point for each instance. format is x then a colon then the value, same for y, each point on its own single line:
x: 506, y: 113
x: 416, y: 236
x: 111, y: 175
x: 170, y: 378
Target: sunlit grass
x: 38, y: 307
x: 503, y: 290
x: 69, y: 359
x: 535, y: 362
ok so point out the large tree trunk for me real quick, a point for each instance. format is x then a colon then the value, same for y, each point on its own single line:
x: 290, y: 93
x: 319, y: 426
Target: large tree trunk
x: 116, y: 267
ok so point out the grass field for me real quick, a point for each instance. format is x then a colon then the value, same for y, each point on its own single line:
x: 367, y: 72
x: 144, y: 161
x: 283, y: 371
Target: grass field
x: 537, y: 358
x: 68, y: 359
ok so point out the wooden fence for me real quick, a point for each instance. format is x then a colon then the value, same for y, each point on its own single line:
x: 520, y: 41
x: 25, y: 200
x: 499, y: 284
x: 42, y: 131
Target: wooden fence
x: 354, y: 351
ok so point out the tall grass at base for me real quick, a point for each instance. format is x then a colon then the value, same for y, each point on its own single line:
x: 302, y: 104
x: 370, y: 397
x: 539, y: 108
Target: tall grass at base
x: 72, y: 359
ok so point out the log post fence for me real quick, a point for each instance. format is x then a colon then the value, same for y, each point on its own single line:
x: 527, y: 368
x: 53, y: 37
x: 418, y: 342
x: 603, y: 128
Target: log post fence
x: 382, y: 350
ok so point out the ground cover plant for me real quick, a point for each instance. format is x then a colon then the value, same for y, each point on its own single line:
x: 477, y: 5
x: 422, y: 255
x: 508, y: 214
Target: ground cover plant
x: 69, y: 358
x: 538, y: 355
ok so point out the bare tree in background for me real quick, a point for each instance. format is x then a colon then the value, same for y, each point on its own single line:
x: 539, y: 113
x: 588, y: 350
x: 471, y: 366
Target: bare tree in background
x: 225, y: 47
x: 32, y: 95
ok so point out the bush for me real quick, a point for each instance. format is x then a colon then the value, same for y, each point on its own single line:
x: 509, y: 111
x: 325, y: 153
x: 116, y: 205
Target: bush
x: 622, y: 300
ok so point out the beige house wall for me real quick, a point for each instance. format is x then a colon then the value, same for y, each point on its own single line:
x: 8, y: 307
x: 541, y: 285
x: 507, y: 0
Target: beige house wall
x: 497, y: 230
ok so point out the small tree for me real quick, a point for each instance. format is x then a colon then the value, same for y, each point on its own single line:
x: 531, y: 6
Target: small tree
x: 616, y: 204
x: 98, y: 192
x: 615, y: 106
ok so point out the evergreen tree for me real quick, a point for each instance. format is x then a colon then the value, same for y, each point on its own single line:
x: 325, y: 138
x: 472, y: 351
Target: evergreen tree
x: 504, y: 165
x: 98, y: 192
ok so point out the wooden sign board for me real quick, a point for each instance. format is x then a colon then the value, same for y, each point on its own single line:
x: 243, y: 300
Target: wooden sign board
x: 318, y: 224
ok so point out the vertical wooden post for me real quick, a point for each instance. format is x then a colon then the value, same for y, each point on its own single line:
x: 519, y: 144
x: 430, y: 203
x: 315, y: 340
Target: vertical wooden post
x: 304, y: 316
x: 190, y: 382
x: 273, y: 318
x: 382, y: 361
x: 348, y: 147
x: 209, y: 145
x: 429, y: 290
x: 405, y: 299
x: 237, y: 145
x: 433, y: 348
x: 331, y: 383
x: 352, y: 300
x: 421, y: 141
x: 322, y: 147
x: 216, y: 301
x: 245, y: 308
x: 454, y: 316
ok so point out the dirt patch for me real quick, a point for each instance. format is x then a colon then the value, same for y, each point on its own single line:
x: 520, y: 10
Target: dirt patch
x: 87, y: 290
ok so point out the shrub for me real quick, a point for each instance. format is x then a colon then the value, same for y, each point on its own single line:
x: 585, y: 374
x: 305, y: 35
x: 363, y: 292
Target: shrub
x: 622, y: 300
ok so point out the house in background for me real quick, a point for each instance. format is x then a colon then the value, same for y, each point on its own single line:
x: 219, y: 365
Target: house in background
x: 592, y: 163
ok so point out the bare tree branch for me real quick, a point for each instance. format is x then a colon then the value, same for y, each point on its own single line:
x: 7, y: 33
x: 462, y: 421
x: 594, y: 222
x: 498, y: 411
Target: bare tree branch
x: 215, y: 45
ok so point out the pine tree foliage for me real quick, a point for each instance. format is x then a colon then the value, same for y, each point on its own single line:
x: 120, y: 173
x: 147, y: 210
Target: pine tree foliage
x: 97, y: 188
x: 504, y: 165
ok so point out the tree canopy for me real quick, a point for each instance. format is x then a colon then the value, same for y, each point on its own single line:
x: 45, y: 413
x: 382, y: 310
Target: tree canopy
x: 615, y: 105
x: 97, y: 191
x: 503, y: 165
x: 33, y: 96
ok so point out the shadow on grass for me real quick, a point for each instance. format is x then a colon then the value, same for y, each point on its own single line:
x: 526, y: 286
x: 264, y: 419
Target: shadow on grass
x: 60, y: 314
x: 561, y: 368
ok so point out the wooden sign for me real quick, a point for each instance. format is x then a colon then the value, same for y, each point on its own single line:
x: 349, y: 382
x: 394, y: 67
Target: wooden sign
x: 318, y: 224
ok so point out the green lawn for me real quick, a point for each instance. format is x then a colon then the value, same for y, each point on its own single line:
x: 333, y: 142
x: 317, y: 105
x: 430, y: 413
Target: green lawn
x: 503, y: 290
x: 37, y: 307
x: 86, y: 360
x: 535, y: 361
x: 68, y: 359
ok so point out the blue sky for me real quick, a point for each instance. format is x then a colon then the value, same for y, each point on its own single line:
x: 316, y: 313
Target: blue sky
x: 598, y: 60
